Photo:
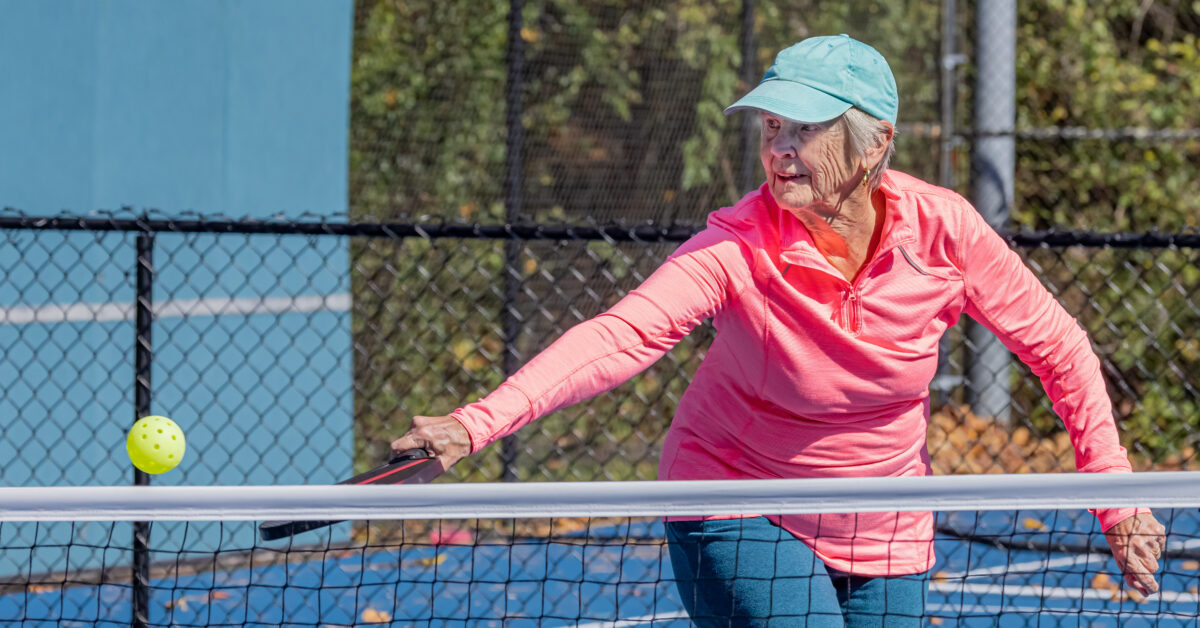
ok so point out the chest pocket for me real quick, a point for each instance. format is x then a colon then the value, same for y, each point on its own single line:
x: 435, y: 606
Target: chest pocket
x: 907, y: 304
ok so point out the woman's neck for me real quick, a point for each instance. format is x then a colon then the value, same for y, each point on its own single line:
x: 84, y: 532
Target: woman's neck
x: 846, y: 234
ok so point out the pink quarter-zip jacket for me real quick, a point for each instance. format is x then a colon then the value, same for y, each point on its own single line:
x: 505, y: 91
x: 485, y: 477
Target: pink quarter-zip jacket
x: 811, y: 375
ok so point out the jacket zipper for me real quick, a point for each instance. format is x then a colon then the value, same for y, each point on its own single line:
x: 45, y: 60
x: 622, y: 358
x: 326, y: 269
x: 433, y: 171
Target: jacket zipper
x: 852, y: 298
x: 851, y: 312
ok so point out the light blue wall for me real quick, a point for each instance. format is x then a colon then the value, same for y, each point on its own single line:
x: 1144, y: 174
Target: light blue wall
x: 218, y: 106
x: 236, y: 107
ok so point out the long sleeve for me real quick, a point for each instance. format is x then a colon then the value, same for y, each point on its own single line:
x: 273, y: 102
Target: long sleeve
x: 1006, y: 297
x: 599, y: 354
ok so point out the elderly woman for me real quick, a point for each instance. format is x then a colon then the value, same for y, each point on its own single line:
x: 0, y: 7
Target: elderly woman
x: 830, y: 286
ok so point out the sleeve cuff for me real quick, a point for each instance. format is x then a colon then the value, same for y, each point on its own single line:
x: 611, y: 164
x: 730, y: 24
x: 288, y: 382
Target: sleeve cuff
x: 458, y: 416
x: 1110, y: 517
x: 499, y: 414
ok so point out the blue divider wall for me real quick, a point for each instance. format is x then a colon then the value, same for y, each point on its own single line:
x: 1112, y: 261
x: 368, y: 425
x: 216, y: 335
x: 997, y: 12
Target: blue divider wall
x: 217, y: 107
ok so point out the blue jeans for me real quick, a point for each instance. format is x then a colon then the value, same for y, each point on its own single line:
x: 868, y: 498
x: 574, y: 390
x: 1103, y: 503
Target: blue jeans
x: 750, y: 572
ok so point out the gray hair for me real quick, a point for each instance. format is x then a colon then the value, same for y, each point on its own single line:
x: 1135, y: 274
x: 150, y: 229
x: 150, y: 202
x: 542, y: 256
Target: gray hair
x: 864, y: 132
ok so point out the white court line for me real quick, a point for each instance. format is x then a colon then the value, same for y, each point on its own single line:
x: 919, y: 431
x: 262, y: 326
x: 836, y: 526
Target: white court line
x: 177, y: 308
x: 1036, y: 566
x: 951, y: 611
x: 635, y: 621
x: 1177, y: 545
x: 1052, y: 593
x: 935, y: 610
x: 1033, y: 566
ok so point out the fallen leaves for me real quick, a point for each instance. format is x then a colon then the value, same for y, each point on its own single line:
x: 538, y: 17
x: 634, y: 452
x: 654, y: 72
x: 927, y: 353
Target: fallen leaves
x: 960, y: 442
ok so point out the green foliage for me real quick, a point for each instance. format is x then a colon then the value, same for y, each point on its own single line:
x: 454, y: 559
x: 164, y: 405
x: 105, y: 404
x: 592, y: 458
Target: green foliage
x: 1108, y: 65
x: 623, y: 105
x: 427, y: 96
x: 1112, y: 65
x: 1138, y: 309
x: 426, y: 336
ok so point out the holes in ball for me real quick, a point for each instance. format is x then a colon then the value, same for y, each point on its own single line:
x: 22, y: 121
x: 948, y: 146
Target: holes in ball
x: 160, y: 430
x: 156, y: 445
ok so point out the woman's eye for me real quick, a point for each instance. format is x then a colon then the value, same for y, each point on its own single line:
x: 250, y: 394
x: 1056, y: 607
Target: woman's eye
x: 808, y: 128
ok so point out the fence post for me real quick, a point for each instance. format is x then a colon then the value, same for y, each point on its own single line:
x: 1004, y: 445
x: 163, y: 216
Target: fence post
x: 992, y: 168
x: 509, y: 446
x: 750, y: 77
x: 142, y: 357
x: 945, y: 381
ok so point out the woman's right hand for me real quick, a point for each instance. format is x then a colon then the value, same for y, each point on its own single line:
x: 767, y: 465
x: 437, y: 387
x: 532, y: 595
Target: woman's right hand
x: 442, y: 436
x: 1138, y: 543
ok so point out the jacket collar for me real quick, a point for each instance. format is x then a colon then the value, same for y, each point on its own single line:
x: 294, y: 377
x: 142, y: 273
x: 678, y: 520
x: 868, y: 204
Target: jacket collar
x: 796, y: 243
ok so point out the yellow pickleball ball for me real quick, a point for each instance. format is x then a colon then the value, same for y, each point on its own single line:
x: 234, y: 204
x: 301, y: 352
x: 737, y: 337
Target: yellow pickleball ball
x: 155, y: 444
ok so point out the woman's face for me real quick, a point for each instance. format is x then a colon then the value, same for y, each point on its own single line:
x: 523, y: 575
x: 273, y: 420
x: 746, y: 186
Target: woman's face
x: 808, y: 164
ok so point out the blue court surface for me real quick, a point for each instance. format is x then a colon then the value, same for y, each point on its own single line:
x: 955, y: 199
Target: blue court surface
x: 614, y: 575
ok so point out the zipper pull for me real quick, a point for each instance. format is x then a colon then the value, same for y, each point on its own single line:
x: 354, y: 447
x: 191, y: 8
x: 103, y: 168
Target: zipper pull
x: 852, y: 319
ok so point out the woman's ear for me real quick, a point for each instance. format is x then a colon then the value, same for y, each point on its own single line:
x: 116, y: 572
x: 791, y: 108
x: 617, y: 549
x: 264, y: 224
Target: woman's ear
x: 876, y: 152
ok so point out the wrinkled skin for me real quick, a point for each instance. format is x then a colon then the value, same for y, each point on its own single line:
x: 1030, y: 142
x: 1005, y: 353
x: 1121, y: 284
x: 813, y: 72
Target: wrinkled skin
x: 1137, y: 543
x: 812, y: 173
x: 442, y: 436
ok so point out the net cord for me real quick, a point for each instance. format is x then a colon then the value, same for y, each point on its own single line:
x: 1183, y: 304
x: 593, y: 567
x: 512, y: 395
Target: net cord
x: 602, y: 499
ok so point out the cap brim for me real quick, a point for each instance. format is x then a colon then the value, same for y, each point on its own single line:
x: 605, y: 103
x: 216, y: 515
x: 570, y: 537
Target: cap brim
x: 793, y: 101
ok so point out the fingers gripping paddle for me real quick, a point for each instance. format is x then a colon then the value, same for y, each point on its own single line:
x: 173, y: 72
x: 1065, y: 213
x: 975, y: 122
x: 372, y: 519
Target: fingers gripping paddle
x: 414, y: 466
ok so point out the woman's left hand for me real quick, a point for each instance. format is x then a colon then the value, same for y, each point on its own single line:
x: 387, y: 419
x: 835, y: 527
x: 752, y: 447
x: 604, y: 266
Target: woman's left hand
x: 1137, y: 543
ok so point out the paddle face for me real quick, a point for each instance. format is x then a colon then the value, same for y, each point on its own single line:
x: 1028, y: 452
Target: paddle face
x: 414, y: 466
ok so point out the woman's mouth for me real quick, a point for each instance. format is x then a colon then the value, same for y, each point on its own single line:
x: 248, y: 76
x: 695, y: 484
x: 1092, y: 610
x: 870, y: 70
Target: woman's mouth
x: 790, y: 177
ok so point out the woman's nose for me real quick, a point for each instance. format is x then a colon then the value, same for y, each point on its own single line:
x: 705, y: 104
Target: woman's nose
x: 784, y: 147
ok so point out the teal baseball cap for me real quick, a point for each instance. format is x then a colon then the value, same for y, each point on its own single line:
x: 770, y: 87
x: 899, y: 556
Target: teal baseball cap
x: 820, y: 78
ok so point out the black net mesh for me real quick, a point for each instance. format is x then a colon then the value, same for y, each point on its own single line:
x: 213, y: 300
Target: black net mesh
x: 1008, y: 568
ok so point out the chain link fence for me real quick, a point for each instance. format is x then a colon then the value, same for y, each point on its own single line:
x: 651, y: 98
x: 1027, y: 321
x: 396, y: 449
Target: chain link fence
x: 278, y: 377
x: 293, y: 350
